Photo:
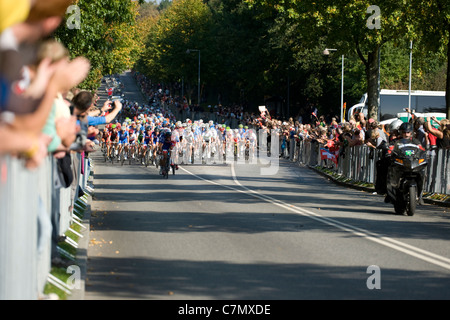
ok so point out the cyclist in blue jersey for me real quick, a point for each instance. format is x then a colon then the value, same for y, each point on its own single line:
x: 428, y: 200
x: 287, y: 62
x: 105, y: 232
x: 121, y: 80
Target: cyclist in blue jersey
x: 144, y: 140
x: 155, y: 137
x: 165, y: 147
x: 123, y: 137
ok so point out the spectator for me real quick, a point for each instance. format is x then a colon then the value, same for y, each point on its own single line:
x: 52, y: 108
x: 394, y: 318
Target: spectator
x: 442, y: 134
x: 60, y: 125
x: 25, y: 113
x: 419, y: 131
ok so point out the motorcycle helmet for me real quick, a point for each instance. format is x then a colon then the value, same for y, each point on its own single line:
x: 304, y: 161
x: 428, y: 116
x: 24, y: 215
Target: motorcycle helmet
x: 395, y: 125
x: 406, y: 127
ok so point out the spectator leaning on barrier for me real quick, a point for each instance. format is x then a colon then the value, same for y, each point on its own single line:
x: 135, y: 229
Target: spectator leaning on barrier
x: 25, y: 112
x: 83, y: 103
x: 60, y: 125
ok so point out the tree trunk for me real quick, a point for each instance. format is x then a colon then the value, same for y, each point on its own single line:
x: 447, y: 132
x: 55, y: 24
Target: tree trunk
x: 372, y: 69
x: 447, y: 85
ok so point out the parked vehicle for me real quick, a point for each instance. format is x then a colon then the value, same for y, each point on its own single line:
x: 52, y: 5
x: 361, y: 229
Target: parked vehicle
x: 393, y: 102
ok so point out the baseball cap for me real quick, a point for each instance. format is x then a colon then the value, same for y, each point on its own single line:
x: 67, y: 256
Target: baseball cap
x: 12, y: 12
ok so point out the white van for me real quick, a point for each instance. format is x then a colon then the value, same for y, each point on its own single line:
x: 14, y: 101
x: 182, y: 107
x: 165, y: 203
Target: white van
x: 393, y: 102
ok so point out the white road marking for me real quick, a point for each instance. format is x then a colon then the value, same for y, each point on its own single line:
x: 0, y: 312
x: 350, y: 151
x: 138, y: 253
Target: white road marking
x: 385, y: 241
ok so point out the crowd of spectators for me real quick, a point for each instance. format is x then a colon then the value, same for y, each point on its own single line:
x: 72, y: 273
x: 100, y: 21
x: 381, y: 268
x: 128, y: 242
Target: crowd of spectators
x: 335, y: 136
x: 328, y: 131
x: 43, y: 113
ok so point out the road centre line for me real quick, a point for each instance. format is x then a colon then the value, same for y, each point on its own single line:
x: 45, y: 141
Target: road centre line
x: 383, y: 240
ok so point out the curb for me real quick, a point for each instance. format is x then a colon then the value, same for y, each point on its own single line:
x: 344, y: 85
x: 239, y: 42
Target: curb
x: 81, y: 257
x: 83, y: 244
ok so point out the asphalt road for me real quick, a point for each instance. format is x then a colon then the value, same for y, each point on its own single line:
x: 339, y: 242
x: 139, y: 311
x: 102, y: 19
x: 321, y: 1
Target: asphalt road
x: 233, y: 232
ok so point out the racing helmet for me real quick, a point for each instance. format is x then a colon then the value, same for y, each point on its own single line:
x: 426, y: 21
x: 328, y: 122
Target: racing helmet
x: 406, y: 127
x: 395, y: 125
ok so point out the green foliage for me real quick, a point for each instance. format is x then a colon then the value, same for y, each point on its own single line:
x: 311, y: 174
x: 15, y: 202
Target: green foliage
x: 255, y: 49
x: 105, y: 37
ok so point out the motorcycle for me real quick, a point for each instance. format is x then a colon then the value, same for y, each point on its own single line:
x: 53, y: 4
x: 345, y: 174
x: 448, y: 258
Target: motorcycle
x: 406, y: 176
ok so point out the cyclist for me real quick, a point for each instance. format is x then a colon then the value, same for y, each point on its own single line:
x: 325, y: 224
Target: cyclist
x: 251, y: 141
x: 140, y: 142
x: 176, y: 140
x: 147, y: 142
x: 189, y: 140
x: 155, y: 141
x: 207, y: 137
x: 112, y: 139
x: 132, y: 138
x: 104, y: 135
x: 123, y: 140
x: 166, y: 145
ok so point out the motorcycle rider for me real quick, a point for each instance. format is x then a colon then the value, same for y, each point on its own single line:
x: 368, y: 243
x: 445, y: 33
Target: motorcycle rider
x: 383, y: 163
x: 405, y: 137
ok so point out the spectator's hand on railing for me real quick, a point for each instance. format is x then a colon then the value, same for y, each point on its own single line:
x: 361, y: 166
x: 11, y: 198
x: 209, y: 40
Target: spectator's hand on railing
x: 89, y: 146
x: 38, y: 152
x: 67, y: 129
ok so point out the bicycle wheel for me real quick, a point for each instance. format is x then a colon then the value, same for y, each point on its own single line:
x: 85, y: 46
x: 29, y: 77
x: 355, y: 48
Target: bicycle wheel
x: 112, y: 154
x: 122, y: 157
x: 146, y: 158
x: 166, y: 171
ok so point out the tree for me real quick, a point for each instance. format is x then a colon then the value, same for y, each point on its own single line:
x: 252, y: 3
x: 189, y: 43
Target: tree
x: 430, y: 23
x: 348, y: 26
x: 106, y: 36
x: 185, y: 24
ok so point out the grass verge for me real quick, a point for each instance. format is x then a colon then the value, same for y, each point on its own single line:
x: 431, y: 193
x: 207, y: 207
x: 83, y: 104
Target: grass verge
x: 60, y: 282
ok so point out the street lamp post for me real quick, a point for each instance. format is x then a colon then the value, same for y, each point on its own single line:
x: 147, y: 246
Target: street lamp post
x: 327, y: 52
x: 188, y: 51
x: 410, y: 72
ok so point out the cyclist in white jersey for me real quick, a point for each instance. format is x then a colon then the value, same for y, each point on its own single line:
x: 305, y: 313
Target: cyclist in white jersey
x: 206, y: 143
x: 175, y: 151
x: 189, y: 141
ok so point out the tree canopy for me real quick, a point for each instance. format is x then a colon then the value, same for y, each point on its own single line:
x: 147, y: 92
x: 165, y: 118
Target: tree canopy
x: 252, y: 50
x: 106, y: 34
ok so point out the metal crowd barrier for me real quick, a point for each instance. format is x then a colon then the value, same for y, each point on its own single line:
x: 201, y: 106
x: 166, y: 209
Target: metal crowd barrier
x: 29, y: 201
x: 359, y: 163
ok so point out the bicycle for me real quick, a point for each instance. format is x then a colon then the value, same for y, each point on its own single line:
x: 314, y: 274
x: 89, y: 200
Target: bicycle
x: 121, y: 156
x: 112, y: 152
x: 166, y: 168
x: 104, y: 150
